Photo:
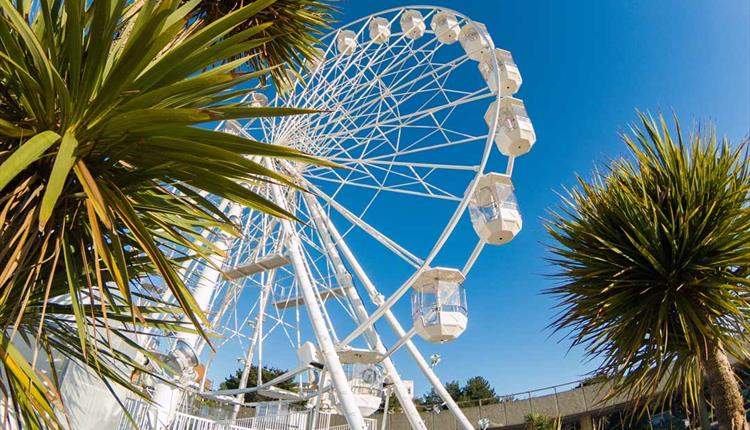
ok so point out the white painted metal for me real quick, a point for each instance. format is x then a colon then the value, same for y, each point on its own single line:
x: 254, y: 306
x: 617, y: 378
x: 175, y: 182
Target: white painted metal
x: 393, y: 321
x: 333, y: 365
x: 401, y: 342
x: 273, y: 261
x: 257, y: 332
x: 322, y: 224
x: 388, y: 103
x: 210, y: 277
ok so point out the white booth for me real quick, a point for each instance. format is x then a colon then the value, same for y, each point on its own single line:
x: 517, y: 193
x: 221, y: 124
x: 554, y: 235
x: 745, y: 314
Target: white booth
x: 439, y: 304
x: 445, y: 26
x: 475, y: 39
x: 510, y: 76
x: 380, y: 30
x: 412, y: 24
x: 494, y: 210
x: 346, y: 42
x: 514, y: 134
x: 258, y: 100
x: 366, y: 381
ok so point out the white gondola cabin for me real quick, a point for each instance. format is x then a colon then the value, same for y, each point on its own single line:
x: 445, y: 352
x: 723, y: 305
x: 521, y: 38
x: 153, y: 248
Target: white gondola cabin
x: 182, y: 361
x: 494, y: 210
x: 475, y: 39
x: 316, y: 60
x: 366, y: 381
x: 412, y: 24
x: 445, y: 26
x: 258, y: 100
x: 439, y: 304
x: 510, y: 77
x: 514, y: 133
x: 346, y: 42
x: 380, y: 30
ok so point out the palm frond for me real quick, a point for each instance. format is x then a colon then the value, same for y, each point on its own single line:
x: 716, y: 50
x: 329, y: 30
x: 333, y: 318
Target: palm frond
x: 653, y: 255
x: 104, y: 169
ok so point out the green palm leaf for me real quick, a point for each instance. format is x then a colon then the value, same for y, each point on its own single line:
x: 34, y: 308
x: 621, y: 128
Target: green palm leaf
x: 653, y: 256
x: 105, y: 160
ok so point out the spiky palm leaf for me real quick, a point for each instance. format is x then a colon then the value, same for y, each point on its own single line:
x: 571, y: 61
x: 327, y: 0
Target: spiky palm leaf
x: 103, y: 173
x: 653, y: 256
x: 296, y: 23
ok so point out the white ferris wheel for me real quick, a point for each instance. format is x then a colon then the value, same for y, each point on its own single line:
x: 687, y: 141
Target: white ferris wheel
x: 417, y: 109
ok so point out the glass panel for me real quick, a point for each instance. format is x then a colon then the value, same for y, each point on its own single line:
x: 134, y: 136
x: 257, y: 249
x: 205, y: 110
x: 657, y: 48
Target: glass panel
x: 491, y: 203
x: 427, y: 307
x: 507, y: 120
x: 365, y: 379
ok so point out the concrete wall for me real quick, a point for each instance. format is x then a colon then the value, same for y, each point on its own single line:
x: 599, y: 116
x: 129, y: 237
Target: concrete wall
x: 577, y: 402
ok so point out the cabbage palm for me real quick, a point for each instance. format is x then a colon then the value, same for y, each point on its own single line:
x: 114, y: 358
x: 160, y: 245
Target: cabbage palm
x: 104, y: 175
x: 653, y: 256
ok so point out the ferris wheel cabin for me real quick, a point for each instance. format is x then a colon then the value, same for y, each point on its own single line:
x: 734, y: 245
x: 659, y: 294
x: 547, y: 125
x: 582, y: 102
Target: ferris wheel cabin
x: 494, y: 210
x: 258, y: 100
x: 366, y: 381
x: 380, y: 30
x: 446, y: 28
x: 412, y: 24
x: 475, y: 39
x: 439, y: 304
x: 514, y: 133
x: 346, y: 42
x: 510, y: 77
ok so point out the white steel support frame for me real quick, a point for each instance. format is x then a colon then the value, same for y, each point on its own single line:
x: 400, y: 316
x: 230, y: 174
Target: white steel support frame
x: 333, y: 365
x: 397, y: 328
x: 410, y: 410
x: 257, y: 333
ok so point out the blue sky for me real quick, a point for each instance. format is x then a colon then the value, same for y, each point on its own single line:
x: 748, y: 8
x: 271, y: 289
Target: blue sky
x: 587, y: 66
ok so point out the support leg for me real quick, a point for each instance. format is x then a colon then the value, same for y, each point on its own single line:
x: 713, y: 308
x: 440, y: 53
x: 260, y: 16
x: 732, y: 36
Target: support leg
x: 398, y: 329
x: 415, y: 420
x: 341, y: 385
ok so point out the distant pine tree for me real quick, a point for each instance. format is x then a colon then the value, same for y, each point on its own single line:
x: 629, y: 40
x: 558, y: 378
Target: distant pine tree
x: 478, y: 388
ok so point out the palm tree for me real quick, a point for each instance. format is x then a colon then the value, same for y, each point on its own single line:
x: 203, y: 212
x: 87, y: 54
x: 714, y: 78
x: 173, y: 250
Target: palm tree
x: 104, y: 177
x: 653, y: 255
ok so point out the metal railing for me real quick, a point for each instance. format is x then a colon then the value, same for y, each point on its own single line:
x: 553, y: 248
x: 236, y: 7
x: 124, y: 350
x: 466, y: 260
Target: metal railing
x: 144, y: 418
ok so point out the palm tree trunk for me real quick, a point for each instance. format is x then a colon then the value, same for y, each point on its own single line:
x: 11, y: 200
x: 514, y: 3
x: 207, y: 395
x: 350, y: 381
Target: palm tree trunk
x: 725, y: 391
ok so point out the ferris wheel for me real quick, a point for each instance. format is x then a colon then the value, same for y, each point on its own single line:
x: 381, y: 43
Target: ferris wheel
x: 416, y: 107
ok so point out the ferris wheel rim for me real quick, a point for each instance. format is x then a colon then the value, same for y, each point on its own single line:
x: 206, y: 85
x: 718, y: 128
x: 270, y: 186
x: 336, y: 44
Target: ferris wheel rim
x: 479, y: 168
x: 489, y: 140
x: 488, y: 146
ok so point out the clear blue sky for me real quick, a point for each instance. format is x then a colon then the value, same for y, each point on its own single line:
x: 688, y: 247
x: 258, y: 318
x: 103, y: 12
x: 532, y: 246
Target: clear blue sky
x: 586, y: 65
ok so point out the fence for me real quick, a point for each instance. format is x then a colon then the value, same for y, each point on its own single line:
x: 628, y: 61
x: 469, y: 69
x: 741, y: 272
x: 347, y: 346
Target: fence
x: 144, y: 418
x: 575, y: 399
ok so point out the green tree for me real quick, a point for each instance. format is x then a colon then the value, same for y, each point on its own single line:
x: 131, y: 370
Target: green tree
x: 431, y: 398
x: 233, y: 381
x: 455, y: 390
x: 653, y: 255
x: 475, y: 389
x: 103, y: 172
x: 478, y: 388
